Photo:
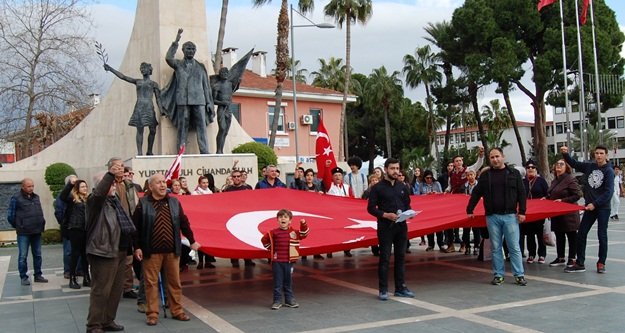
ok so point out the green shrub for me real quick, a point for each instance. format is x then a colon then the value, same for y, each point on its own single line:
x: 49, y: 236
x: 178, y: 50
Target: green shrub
x: 264, y: 154
x: 51, y: 236
x: 55, y: 176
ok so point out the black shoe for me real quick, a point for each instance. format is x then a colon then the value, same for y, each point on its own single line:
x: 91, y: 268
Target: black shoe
x: 249, y: 263
x: 234, y: 262
x: 348, y: 253
x: 86, y: 281
x: 41, y: 279
x: 113, y: 327
x: 520, y: 280
x: 73, y: 284
x: 209, y: 265
x: 575, y: 269
x: 318, y: 257
x: 200, y: 266
x: 558, y: 262
x: 130, y: 294
x: 329, y: 255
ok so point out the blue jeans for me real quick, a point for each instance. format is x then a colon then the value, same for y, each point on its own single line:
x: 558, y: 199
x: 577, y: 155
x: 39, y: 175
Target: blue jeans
x: 506, y: 227
x: 67, y: 253
x: 282, y: 281
x: 589, y: 218
x: 23, y: 242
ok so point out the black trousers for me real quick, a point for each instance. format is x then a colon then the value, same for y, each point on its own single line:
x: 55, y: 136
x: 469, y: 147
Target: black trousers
x: 392, y: 235
x: 78, y: 239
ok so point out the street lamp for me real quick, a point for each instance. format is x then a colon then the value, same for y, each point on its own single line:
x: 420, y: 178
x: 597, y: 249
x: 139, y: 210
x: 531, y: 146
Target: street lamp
x: 313, y: 24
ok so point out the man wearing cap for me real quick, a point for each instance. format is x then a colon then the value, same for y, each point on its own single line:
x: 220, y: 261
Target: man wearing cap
x: 338, y: 188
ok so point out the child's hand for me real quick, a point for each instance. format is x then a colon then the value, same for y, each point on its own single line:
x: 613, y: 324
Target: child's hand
x: 302, y: 221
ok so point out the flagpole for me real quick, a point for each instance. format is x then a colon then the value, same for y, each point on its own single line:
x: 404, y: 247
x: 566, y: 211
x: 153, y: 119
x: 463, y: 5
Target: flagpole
x: 594, y: 50
x: 564, y: 73
x: 582, y: 100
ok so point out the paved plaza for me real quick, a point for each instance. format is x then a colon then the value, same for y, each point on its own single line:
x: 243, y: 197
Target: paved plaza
x: 453, y: 294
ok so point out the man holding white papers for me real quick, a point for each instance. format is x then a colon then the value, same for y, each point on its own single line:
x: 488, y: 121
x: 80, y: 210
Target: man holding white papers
x: 388, y: 199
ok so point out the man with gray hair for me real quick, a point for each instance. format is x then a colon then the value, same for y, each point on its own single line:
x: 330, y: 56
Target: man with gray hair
x: 109, y: 232
x: 26, y: 216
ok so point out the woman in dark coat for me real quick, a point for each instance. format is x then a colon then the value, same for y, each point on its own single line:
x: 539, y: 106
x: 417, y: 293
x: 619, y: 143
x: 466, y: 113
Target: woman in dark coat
x: 75, y: 196
x: 536, y: 188
x: 566, y: 189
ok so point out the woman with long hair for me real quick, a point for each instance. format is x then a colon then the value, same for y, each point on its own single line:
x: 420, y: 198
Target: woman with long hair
x: 77, y: 209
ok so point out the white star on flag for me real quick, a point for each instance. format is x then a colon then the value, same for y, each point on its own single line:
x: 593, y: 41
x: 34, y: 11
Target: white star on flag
x: 327, y: 150
x: 363, y: 224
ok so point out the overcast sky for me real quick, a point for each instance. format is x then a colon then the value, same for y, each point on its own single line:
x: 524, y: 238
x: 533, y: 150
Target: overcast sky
x: 394, y: 30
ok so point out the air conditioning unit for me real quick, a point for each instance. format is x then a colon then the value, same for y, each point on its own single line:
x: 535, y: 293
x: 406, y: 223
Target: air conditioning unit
x: 291, y: 125
x: 307, y: 119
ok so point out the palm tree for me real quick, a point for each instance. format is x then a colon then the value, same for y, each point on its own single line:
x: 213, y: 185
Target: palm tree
x: 282, y: 55
x: 300, y: 73
x: 496, y: 117
x: 385, y: 90
x: 330, y: 74
x: 421, y: 69
x: 220, y: 35
x: 594, y: 137
x: 347, y: 12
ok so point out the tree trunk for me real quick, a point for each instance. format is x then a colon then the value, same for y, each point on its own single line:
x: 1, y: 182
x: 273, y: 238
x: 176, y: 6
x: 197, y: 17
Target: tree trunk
x: 540, y: 137
x: 433, y: 125
x: 476, y: 112
x: 506, y: 98
x: 282, y: 59
x: 220, y: 35
x: 344, y: 138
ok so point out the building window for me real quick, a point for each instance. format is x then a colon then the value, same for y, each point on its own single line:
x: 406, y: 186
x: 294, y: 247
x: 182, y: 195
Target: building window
x: 315, y: 113
x: 620, y: 122
x: 576, y: 125
x: 235, y: 108
x: 559, y: 128
x: 621, y: 142
x: 270, y: 114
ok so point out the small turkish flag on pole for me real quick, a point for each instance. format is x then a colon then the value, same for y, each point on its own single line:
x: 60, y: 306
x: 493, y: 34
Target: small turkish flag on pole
x: 174, y: 169
x: 324, y: 155
x: 543, y: 3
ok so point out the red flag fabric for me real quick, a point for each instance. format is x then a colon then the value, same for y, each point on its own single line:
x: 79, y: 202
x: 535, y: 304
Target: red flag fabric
x: 324, y: 155
x: 582, y: 18
x: 543, y: 3
x: 227, y: 228
x: 174, y: 169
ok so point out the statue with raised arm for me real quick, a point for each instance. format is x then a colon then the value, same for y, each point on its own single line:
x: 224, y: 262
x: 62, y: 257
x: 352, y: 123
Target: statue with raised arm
x: 143, y: 114
x: 188, y: 99
x: 224, y: 85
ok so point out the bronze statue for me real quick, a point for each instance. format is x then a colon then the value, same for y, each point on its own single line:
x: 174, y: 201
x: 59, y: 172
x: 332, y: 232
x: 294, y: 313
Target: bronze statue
x: 188, y: 100
x: 224, y: 85
x: 143, y: 114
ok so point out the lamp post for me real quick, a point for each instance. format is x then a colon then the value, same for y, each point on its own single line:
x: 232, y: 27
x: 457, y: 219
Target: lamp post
x: 313, y: 24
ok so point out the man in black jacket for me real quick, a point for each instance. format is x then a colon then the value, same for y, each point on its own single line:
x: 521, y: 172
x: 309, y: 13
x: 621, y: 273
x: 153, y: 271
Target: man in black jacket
x: 387, y: 200
x: 26, y: 216
x: 504, y: 203
x: 160, y: 219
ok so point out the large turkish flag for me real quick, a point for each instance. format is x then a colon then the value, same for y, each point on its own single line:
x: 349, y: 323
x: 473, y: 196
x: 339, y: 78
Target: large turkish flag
x: 231, y: 224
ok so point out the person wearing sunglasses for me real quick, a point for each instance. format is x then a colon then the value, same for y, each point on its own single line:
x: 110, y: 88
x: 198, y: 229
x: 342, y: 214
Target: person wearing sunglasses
x: 536, y: 188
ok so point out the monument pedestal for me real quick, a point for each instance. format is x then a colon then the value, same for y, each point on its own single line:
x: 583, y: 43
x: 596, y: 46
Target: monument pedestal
x: 194, y: 166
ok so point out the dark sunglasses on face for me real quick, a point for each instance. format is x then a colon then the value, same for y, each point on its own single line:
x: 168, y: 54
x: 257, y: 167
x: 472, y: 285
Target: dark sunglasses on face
x: 530, y: 167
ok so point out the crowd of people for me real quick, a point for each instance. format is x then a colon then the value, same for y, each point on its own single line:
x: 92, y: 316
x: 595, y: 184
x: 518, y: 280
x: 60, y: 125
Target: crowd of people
x: 115, y: 234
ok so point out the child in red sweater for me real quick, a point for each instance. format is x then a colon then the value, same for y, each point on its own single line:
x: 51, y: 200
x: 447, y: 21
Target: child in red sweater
x: 283, y: 244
